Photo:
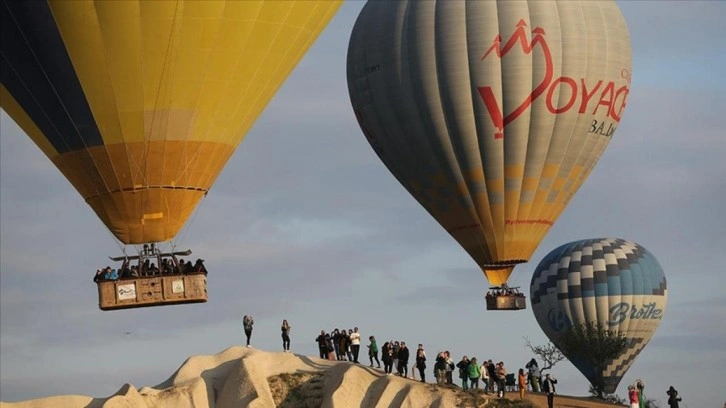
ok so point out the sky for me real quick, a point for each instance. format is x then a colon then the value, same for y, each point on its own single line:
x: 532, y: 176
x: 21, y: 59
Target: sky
x: 306, y: 224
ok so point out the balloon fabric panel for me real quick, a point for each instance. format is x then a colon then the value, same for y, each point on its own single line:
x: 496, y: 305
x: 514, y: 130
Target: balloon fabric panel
x: 144, y: 102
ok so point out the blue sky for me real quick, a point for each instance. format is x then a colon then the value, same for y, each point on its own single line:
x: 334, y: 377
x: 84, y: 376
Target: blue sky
x: 306, y: 224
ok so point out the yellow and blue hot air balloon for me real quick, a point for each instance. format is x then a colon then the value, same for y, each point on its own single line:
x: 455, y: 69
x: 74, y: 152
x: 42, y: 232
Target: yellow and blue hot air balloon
x: 141, y: 103
x: 490, y: 113
x: 606, y: 282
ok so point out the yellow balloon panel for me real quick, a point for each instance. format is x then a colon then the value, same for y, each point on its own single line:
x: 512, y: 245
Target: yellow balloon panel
x: 148, y: 202
x: 141, y: 103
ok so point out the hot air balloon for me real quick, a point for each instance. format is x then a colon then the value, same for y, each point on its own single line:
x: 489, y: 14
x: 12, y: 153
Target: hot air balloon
x: 141, y: 103
x: 605, y: 282
x: 490, y: 113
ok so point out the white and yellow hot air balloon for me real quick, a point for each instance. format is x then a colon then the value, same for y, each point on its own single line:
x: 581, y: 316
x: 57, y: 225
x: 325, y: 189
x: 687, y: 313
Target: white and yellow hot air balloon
x: 490, y: 113
x: 140, y: 104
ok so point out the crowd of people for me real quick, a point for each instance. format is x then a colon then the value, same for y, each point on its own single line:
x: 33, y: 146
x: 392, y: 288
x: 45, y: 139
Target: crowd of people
x: 344, y: 345
x: 167, y: 266
x: 504, y: 291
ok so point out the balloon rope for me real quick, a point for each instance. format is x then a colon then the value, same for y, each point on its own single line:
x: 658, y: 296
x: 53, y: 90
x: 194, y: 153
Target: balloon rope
x: 116, y: 240
x: 182, y: 235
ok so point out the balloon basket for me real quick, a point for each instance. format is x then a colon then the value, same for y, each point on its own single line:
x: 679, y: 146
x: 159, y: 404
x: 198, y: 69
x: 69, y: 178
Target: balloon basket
x: 506, y: 302
x: 152, y: 291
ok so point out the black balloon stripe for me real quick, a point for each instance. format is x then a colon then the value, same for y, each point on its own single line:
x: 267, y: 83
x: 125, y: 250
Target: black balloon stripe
x: 40, y: 76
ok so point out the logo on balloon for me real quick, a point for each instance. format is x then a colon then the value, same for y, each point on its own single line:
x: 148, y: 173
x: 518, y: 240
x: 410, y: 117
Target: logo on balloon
x: 556, y: 100
x: 624, y: 310
x: 558, y: 320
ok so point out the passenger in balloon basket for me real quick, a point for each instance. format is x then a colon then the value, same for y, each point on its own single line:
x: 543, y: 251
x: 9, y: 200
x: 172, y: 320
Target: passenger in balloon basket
x: 199, y: 267
x: 548, y: 386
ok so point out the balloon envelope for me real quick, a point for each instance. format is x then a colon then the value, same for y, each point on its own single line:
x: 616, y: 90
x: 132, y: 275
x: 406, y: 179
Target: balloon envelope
x: 141, y: 103
x: 490, y: 113
x: 612, y: 282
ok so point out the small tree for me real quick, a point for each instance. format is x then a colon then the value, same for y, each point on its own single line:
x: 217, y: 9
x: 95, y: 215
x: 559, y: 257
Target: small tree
x: 596, y: 345
x: 651, y: 403
x: 612, y: 398
x: 548, y: 353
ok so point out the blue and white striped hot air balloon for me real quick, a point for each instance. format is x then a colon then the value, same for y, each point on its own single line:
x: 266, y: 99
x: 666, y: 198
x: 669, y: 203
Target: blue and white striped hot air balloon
x: 606, y: 281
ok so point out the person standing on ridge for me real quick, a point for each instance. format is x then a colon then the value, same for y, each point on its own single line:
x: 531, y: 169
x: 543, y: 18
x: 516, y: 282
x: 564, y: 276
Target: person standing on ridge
x: 355, y: 344
x: 492, y: 370
x: 673, y: 398
x: 501, y: 379
x: 548, y: 386
x: 285, y: 336
x: 440, y: 368
x: 396, y: 348
x: 322, y: 341
x: 373, y: 351
x: 522, y: 382
x: 450, y: 365
x: 534, y: 374
x: 421, y: 362
x: 349, y: 350
x: 403, y: 355
x: 633, y: 399
x: 247, y: 323
x: 343, y: 346
x: 336, y: 343
x: 474, y: 373
x: 485, y: 376
x: 640, y: 385
x: 464, y: 372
